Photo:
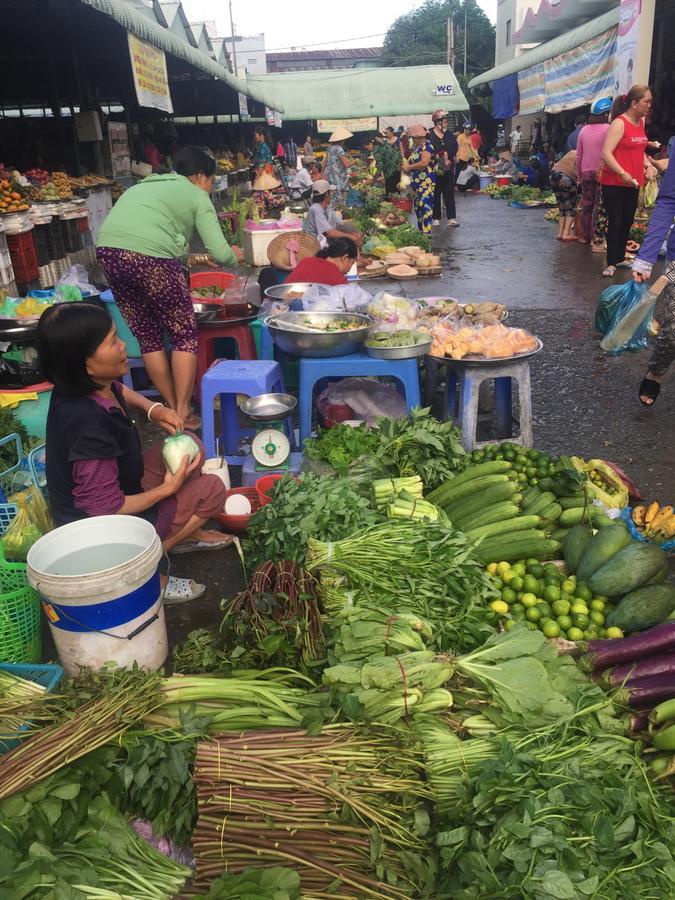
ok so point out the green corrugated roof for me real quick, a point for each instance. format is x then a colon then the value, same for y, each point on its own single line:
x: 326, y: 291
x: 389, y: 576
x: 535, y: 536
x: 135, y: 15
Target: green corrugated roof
x: 561, y: 44
x: 149, y: 30
x: 353, y: 93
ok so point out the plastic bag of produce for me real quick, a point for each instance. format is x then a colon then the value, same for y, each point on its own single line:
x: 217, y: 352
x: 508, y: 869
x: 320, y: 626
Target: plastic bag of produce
x: 624, y: 315
x: 637, y: 535
x: 376, y: 246
x: 73, y: 281
x: 335, y: 298
x: 30, y: 523
x: 392, y: 313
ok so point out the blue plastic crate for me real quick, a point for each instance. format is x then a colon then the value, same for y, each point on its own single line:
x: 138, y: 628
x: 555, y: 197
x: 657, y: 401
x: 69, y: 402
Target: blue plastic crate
x: 49, y: 676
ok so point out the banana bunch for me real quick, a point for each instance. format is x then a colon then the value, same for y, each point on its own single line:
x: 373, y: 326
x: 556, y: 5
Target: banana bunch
x: 655, y: 521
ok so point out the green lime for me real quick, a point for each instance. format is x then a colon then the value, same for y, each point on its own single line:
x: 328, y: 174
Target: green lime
x: 522, y: 478
x: 552, y: 571
x: 499, y: 456
x: 536, y: 569
x: 520, y: 568
x: 568, y: 585
x: 518, y: 611
x: 509, y: 624
x: 516, y: 582
x: 533, y: 614
x: 531, y: 584
x: 565, y: 622
x: 545, y: 608
x: 583, y: 591
x: 550, y: 628
x: 499, y: 607
x: 579, y: 607
x: 581, y: 621
x: 532, y: 626
x: 614, y: 632
x: 597, y: 617
x: 509, y: 455
x: 575, y: 634
x: 591, y: 634
x: 529, y: 600
x: 534, y: 482
x: 561, y: 607
x: 551, y: 593
x: 509, y: 595
x: 598, y: 604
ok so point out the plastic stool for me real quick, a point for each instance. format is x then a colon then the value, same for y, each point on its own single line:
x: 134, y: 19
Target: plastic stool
x: 470, y: 379
x: 226, y: 379
x: 128, y: 380
x: 240, y: 333
x: 313, y: 370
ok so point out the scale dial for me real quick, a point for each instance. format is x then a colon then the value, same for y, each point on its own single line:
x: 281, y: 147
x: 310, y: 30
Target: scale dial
x: 270, y: 447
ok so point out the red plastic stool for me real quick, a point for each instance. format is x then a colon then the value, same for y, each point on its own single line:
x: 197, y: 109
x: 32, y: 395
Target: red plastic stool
x: 240, y: 333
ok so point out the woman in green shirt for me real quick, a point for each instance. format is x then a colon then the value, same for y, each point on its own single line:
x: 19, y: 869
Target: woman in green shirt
x: 141, y: 247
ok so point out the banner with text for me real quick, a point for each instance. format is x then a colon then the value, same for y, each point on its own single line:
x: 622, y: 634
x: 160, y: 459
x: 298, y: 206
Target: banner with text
x: 150, y: 79
x: 353, y: 125
x: 627, y: 45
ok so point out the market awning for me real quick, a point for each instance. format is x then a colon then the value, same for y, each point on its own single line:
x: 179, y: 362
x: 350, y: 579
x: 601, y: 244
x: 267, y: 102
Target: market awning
x: 349, y: 93
x: 554, y: 17
x: 150, y: 31
x: 551, y: 49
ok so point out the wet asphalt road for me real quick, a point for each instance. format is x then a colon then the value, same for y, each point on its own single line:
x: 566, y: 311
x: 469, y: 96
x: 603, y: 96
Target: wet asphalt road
x: 584, y: 402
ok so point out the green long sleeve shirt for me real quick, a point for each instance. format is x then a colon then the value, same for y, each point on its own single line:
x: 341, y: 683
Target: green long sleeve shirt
x: 158, y: 217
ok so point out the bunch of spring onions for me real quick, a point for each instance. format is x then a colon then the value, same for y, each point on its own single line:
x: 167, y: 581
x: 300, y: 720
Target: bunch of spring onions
x: 129, y: 697
x: 338, y: 808
x: 265, y: 699
x: 23, y: 703
x: 385, y: 689
x: 386, y: 489
x: 406, y: 506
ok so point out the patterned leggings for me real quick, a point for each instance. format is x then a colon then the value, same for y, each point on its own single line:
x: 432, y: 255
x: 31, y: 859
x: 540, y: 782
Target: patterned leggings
x: 565, y: 191
x: 424, y: 205
x: 664, y: 351
x: 153, y: 296
x: 590, y: 202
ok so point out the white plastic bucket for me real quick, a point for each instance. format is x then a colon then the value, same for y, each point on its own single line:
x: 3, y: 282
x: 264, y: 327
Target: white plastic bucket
x: 107, y: 608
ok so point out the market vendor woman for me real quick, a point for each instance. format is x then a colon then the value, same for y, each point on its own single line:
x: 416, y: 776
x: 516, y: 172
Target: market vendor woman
x: 95, y: 465
x: 142, y: 245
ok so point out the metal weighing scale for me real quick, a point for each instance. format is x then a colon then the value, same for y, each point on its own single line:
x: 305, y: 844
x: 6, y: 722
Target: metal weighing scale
x: 270, y: 447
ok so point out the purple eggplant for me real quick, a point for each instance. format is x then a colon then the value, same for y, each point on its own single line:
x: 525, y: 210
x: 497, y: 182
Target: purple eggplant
x: 613, y: 652
x: 637, y: 724
x: 632, y: 672
x: 648, y: 692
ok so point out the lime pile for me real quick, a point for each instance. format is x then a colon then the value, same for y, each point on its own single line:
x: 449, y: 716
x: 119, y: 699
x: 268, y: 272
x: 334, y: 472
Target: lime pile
x: 530, y: 466
x: 543, y: 598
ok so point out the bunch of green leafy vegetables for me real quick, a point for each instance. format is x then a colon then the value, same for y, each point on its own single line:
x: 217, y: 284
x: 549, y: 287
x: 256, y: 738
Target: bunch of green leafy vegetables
x: 311, y: 506
x: 272, y: 883
x: 417, y: 444
x: 10, y: 424
x: 407, y: 236
x: 341, y: 445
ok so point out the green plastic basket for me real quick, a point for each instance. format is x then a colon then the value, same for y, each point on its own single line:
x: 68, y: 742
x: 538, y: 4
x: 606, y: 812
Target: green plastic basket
x: 20, y: 640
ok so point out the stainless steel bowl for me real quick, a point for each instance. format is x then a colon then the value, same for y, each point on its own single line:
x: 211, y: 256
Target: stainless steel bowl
x: 281, y: 291
x: 317, y: 344
x: 269, y: 407
x: 414, y: 350
x: 207, y: 312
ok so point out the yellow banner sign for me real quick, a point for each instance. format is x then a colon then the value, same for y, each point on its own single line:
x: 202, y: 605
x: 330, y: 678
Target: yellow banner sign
x: 353, y: 125
x: 150, y: 79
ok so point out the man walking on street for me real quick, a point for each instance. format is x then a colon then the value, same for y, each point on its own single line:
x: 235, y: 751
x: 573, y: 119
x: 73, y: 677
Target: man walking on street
x: 444, y: 143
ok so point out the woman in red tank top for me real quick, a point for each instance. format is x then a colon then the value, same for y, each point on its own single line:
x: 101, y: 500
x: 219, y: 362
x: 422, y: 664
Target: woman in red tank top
x: 625, y: 169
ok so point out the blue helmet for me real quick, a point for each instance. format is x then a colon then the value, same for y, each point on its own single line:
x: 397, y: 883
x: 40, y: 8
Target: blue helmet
x: 601, y: 106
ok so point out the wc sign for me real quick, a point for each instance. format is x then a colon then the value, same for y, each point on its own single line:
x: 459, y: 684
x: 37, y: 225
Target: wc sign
x: 444, y: 90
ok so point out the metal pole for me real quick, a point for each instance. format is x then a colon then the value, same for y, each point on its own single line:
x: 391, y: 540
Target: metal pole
x: 465, y: 38
x: 451, y: 42
x: 234, y: 48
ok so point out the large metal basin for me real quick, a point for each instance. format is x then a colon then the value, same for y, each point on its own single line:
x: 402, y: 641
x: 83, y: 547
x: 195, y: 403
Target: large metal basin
x: 288, y: 332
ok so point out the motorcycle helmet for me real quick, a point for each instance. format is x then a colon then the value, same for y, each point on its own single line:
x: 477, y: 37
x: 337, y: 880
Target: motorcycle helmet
x: 601, y: 106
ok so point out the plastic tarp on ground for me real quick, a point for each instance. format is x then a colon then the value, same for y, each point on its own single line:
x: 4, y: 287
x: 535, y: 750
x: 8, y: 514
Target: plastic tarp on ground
x: 349, y: 93
x: 551, y: 49
x: 505, y: 97
x: 140, y: 24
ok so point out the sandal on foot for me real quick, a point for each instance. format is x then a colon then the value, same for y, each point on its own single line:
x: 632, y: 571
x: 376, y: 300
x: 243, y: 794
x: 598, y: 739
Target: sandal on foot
x: 609, y: 272
x: 194, y: 423
x: 650, y: 389
x: 192, y: 546
x: 453, y: 223
x: 181, y: 590
x: 569, y: 238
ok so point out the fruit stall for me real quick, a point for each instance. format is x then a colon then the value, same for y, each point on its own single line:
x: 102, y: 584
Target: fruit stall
x: 448, y: 674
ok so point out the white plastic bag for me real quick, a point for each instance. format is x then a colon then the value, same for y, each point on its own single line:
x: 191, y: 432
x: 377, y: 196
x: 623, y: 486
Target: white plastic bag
x: 369, y: 398
x: 336, y: 298
x: 77, y: 276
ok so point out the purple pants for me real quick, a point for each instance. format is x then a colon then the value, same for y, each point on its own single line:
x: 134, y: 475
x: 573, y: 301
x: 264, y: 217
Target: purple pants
x: 153, y: 296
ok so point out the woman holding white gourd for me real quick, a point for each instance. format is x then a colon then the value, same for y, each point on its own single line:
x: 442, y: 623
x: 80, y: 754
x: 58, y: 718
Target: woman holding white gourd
x: 95, y: 464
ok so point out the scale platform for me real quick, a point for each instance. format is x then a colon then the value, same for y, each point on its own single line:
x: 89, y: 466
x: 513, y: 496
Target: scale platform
x: 250, y: 473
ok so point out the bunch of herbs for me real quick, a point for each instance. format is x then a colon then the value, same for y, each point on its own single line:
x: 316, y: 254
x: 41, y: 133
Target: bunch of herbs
x: 341, y: 445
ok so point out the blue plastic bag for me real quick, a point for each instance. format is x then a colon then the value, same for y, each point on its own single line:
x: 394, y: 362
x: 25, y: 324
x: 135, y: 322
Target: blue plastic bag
x: 624, y: 315
x: 637, y: 535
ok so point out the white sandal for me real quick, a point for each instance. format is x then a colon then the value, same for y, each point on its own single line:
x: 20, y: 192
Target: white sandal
x: 192, y: 546
x: 181, y: 590
x: 609, y: 272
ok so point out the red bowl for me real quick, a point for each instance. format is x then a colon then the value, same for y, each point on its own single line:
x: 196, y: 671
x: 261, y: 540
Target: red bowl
x: 239, y: 524
x: 263, y: 485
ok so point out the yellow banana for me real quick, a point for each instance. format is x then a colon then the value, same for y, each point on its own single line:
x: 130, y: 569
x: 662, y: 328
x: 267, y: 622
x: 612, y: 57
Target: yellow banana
x: 652, y: 510
x: 662, y: 516
x: 639, y: 515
x: 668, y: 527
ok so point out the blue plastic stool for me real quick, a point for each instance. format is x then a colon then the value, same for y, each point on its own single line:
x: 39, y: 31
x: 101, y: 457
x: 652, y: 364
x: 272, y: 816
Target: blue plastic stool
x: 123, y: 330
x: 470, y: 379
x: 313, y: 370
x: 225, y: 379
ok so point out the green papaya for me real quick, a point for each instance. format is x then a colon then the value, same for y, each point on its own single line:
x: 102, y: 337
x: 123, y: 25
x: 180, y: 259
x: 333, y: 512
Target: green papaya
x: 629, y: 569
x: 605, y: 544
x: 575, y: 545
x: 643, y: 608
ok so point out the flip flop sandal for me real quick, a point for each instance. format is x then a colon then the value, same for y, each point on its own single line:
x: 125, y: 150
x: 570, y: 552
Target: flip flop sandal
x: 626, y: 264
x: 609, y: 272
x: 192, y: 424
x: 192, y: 546
x: 453, y: 223
x: 181, y: 590
x: 565, y: 240
x: 651, y: 389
